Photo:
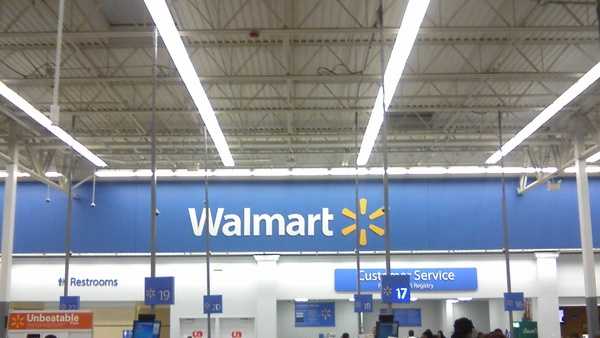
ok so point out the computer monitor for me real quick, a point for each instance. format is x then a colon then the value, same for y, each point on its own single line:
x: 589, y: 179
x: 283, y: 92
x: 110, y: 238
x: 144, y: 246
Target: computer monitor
x: 386, y: 327
x: 145, y: 329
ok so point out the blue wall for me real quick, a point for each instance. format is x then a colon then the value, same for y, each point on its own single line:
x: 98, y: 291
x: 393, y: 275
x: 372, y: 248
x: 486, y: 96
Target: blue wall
x: 425, y: 215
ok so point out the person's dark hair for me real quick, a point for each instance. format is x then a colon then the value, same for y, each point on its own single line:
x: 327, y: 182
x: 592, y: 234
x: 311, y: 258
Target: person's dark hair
x: 427, y: 333
x: 441, y: 334
x: 345, y: 335
x: 411, y: 333
x: 463, y: 327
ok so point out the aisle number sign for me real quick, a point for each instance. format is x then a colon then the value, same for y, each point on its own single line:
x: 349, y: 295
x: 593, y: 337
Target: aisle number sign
x: 395, y: 289
x: 159, y: 290
x: 213, y: 304
x: 514, y: 301
x: 363, y: 303
x: 69, y: 303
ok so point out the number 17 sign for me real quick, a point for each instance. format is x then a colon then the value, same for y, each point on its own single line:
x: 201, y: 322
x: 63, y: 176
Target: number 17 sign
x: 395, y: 289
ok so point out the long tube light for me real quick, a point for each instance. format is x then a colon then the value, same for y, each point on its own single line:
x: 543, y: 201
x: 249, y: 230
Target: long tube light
x: 577, y: 88
x: 405, y: 39
x: 594, y: 158
x: 345, y: 171
x: 168, y: 31
x: 45, y: 122
x: 322, y: 172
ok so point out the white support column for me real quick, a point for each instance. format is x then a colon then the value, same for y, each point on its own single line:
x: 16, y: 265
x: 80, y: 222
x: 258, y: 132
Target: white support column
x: 547, y: 295
x: 8, y: 226
x: 498, y: 317
x: 585, y: 230
x: 447, y: 317
x: 266, y: 304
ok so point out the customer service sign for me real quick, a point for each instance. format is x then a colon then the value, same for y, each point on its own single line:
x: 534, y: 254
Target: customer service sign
x: 426, y: 279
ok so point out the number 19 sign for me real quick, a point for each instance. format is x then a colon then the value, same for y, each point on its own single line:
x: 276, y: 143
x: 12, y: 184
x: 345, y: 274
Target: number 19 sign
x: 159, y: 290
x: 395, y: 289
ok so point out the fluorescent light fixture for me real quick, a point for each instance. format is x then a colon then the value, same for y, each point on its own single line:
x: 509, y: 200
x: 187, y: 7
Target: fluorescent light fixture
x: 232, y: 173
x: 577, y: 88
x: 469, y: 170
x: 397, y: 171
x: 301, y: 300
x: 348, y: 171
x: 593, y: 158
x: 168, y: 31
x: 4, y: 174
x: 143, y: 173
x: 165, y: 173
x: 590, y: 169
x: 405, y: 39
x: 53, y: 174
x: 310, y: 172
x: 45, y: 122
x: 465, y: 299
x: 427, y: 171
x: 271, y: 172
x: 115, y: 173
x: 189, y: 173
x: 452, y: 301
x: 342, y: 171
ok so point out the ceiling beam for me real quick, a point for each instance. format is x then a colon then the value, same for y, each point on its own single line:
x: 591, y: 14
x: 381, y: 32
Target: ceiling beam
x: 342, y: 78
x: 213, y: 33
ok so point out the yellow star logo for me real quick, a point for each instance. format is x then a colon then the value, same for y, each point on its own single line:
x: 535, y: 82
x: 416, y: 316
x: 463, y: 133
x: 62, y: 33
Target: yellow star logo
x: 17, y: 321
x: 363, y: 232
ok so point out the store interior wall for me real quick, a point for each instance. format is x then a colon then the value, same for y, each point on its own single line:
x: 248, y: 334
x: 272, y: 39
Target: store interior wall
x: 477, y: 311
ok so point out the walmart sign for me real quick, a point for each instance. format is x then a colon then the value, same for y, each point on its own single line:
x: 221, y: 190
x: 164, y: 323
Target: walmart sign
x: 251, y: 224
x: 298, y: 216
x: 429, y: 279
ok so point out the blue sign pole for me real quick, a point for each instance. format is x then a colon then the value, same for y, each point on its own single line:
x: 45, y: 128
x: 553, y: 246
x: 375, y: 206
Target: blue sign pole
x: 395, y: 289
x: 159, y: 290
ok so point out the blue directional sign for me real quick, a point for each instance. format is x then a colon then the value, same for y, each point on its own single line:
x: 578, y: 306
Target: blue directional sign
x: 395, y: 289
x: 407, y: 317
x: 69, y: 303
x: 159, y: 290
x: 213, y: 304
x: 514, y: 301
x: 363, y: 303
x: 314, y: 314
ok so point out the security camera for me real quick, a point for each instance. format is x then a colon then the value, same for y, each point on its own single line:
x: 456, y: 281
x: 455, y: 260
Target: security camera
x: 157, y: 212
x: 93, y: 205
x: 48, y: 199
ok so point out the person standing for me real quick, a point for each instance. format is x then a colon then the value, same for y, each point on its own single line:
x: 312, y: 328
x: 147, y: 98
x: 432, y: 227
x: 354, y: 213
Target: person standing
x: 463, y: 328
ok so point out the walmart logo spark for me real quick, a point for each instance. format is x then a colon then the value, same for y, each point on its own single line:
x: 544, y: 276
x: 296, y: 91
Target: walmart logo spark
x: 363, y: 232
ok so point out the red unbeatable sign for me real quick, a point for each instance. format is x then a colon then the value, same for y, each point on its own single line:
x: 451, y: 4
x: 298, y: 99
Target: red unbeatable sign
x: 197, y: 334
x: 236, y: 334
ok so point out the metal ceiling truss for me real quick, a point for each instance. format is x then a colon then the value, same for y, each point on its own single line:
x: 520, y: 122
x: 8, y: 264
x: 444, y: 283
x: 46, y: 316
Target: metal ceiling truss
x: 287, y: 89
